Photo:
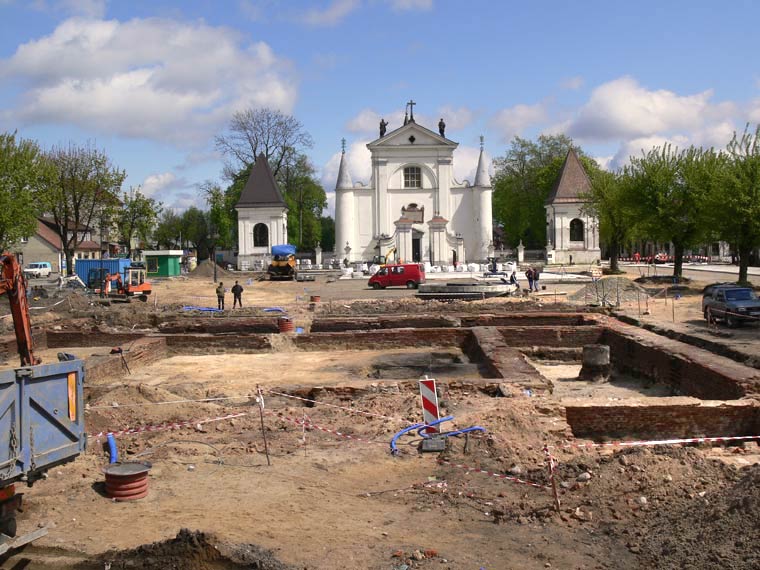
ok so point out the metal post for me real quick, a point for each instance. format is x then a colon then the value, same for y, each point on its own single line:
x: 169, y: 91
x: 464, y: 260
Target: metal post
x: 263, y: 431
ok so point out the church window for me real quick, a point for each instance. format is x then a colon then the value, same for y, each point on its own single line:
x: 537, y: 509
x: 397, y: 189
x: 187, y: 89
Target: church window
x: 576, y: 230
x: 412, y: 177
x: 260, y: 235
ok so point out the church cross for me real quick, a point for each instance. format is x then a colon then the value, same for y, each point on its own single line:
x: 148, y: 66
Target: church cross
x: 343, y: 145
x: 411, y: 104
x: 481, y: 142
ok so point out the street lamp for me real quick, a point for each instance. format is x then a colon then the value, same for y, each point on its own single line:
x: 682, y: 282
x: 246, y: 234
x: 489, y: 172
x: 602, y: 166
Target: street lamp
x: 214, y: 239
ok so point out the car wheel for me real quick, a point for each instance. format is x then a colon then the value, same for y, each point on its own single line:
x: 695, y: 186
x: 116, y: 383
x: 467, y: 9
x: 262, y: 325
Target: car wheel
x: 708, y: 315
x: 376, y: 286
x: 411, y: 285
x: 731, y: 321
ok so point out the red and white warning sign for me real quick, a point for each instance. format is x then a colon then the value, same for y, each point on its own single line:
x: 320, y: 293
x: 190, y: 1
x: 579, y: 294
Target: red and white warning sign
x: 429, y: 397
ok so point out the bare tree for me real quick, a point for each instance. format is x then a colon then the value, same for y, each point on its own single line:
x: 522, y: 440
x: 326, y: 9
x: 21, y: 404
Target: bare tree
x: 82, y: 190
x: 279, y: 137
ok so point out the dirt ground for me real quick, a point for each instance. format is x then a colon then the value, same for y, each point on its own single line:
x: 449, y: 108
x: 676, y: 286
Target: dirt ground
x: 335, y: 497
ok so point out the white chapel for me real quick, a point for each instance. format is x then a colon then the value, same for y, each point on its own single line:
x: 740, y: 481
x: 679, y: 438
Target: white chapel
x: 413, y: 203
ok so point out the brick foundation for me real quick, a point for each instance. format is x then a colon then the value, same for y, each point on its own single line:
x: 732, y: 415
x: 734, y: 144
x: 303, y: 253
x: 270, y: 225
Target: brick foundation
x: 142, y: 353
x: 371, y: 340
x: 217, y: 344
x: 659, y: 418
x: 557, y: 336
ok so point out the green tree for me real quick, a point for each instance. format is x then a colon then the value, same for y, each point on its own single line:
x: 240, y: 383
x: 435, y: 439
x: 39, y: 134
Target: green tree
x: 735, y: 196
x: 522, y: 182
x: 611, y: 200
x: 327, y: 241
x: 137, y: 217
x: 83, y: 188
x: 306, y: 199
x: 23, y: 173
x: 672, y: 190
x: 168, y: 232
x: 222, y: 215
x: 195, y: 228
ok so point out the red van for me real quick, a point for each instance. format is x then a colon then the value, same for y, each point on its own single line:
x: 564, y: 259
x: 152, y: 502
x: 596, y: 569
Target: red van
x: 408, y: 275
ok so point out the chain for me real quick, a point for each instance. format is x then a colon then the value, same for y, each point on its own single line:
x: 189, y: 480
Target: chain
x: 13, y: 445
x: 32, y: 464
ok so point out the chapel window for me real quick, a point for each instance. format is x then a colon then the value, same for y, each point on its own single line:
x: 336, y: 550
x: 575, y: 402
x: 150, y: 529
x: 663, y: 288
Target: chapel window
x: 576, y: 230
x: 260, y: 235
x: 412, y: 177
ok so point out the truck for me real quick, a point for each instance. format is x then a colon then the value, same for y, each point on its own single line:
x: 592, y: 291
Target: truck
x: 730, y: 302
x: 41, y: 412
x: 283, y: 265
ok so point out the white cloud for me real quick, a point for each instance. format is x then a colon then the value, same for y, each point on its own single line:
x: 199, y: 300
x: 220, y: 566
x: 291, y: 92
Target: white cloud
x: 514, y: 120
x: 157, y: 183
x: 365, y: 121
x: 87, y: 8
x: 466, y: 163
x: 359, y: 165
x: 333, y: 14
x: 623, y: 109
x: 572, y: 83
x: 404, y: 5
x: 456, y: 118
x: 149, y: 78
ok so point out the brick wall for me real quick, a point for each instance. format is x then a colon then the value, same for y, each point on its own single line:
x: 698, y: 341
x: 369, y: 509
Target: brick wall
x: 9, y: 347
x: 658, y: 418
x: 64, y: 339
x: 558, y: 336
x: 371, y: 340
x: 220, y: 325
x: 142, y: 353
x: 217, y: 344
x: 690, y: 371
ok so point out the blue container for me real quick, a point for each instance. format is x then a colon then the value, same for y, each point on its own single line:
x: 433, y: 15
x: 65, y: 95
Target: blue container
x: 82, y: 266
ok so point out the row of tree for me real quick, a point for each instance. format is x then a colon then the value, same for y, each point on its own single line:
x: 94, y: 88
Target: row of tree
x: 76, y: 187
x: 688, y: 197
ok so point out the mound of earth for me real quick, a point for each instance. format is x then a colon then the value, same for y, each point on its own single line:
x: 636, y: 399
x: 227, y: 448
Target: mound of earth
x: 720, y: 531
x: 205, y: 269
x: 196, y: 550
x: 609, y: 291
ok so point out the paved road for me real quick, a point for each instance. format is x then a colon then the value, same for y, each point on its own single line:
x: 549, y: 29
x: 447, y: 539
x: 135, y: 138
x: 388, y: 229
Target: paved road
x: 703, y: 273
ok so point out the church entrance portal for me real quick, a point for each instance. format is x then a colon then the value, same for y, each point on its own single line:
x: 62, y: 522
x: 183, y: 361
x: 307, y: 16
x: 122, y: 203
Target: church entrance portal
x: 416, y: 249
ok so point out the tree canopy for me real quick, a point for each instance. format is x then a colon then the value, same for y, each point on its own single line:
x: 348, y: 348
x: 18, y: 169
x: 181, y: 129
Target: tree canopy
x: 522, y: 182
x: 137, y: 217
x: 23, y: 174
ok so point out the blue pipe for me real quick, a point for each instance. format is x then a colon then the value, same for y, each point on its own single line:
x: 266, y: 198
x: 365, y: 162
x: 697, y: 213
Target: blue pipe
x: 394, y: 439
x: 112, y: 450
x: 421, y: 431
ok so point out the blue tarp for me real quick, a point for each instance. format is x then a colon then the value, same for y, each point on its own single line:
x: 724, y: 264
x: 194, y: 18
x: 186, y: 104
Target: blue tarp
x: 284, y: 250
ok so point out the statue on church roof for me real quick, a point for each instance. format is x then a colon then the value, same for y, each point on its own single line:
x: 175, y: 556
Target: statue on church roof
x: 383, y: 127
x: 442, y: 127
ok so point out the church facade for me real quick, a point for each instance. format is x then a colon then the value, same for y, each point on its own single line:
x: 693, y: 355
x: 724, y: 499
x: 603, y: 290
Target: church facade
x: 413, y: 202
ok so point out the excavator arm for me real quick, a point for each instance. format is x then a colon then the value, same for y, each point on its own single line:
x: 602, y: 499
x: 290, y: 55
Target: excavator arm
x: 13, y: 284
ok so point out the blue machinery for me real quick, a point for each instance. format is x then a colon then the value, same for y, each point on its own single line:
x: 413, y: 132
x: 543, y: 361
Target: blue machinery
x: 422, y: 432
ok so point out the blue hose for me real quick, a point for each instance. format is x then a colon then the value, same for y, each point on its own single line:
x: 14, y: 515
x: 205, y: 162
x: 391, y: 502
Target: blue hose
x: 394, y: 439
x: 421, y: 431
x: 113, y: 451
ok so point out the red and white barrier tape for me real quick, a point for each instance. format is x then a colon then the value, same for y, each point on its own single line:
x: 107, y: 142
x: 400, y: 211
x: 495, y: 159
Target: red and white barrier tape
x: 324, y: 429
x: 351, y: 410
x: 491, y: 474
x: 164, y: 427
x: 657, y: 442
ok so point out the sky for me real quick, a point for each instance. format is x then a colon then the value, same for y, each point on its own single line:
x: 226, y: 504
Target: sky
x: 152, y: 82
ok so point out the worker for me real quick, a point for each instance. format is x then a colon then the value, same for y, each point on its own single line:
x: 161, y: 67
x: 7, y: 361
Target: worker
x: 220, y: 296
x: 237, y: 295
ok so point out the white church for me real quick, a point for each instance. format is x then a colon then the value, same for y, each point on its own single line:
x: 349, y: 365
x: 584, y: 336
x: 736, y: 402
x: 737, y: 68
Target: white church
x: 413, y: 202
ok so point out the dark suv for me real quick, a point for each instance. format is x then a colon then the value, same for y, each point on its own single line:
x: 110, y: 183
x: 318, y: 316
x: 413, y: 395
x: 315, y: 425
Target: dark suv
x: 730, y: 302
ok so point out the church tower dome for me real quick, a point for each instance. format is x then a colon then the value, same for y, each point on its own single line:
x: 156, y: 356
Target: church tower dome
x: 344, y: 178
x: 482, y: 179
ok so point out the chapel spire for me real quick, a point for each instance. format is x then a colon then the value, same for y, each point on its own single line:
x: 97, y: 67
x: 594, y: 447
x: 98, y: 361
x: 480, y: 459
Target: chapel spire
x: 482, y: 179
x: 344, y: 178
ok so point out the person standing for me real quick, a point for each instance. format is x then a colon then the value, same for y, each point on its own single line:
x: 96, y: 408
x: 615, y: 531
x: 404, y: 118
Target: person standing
x: 220, y: 296
x: 536, y: 275
x: 237, y: 295
x: 529, y: 277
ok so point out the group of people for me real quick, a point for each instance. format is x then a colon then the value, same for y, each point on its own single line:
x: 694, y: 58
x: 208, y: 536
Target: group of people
x: 237, y: 295
x: 532, y: 274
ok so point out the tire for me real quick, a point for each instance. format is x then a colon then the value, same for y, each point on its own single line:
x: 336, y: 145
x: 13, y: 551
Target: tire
x: 411, y: 285
x: 143, y: 298
x: 376, y: 286
x: 8, y: 527
x: 731, y: 321
x: 708, y: 315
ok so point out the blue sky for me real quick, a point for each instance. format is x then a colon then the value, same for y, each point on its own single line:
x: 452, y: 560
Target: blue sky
x: 152, y: 82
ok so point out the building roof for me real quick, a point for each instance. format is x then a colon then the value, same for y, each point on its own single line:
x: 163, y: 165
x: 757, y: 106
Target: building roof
x: 394, y: 137
x: 571, y: 182
x: 260, y: 190
x: 46, y: 230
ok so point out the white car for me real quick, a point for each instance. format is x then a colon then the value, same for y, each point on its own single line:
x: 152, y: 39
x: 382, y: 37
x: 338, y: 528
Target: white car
x: 38, y: 269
